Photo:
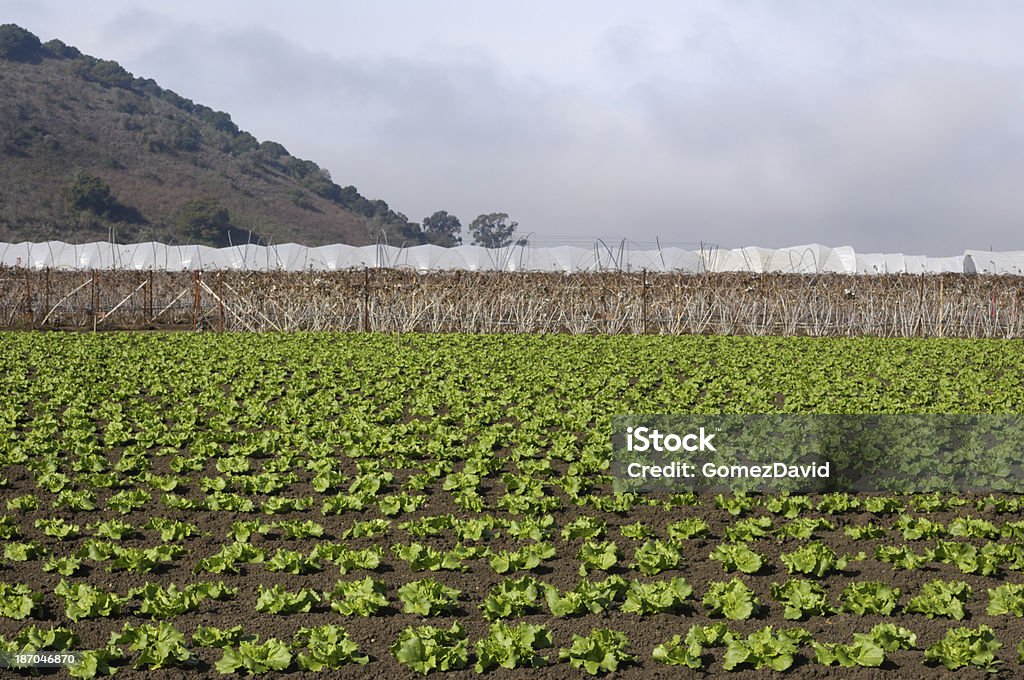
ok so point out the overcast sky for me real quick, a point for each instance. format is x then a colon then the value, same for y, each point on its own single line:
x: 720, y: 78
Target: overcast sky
x: 888, y: 126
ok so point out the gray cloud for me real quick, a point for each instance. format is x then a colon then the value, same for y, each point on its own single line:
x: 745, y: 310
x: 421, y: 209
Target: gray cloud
x: 907, y: 160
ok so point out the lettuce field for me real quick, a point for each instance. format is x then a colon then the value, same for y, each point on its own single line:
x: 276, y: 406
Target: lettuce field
x: 375, y: 505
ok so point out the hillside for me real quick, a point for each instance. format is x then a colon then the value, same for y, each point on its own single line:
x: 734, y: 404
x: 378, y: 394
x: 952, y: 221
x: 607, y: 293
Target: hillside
x: 88, y: 150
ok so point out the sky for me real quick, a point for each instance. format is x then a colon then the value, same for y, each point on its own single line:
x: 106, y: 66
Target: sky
x: 890, y: 127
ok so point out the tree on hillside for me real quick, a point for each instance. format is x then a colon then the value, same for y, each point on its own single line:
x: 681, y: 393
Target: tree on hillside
x: 492, y: 230
x: 402, y: 231
x: 205, y: 220
x: 103, y: 71
x: 59, y: 50
x: 91, y: 198
x: 89, y: 193
x: 17, y: 44
x: 442, y: 229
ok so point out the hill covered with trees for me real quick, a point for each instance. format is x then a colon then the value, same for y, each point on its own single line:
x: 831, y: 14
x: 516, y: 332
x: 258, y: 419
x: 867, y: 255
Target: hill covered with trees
x: 88, y: 152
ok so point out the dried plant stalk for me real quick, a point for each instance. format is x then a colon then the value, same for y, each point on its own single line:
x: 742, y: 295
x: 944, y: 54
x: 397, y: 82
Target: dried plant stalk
x: 402, y: 301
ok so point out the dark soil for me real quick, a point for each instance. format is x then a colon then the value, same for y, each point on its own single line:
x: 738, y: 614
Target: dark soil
x: 375, y: 634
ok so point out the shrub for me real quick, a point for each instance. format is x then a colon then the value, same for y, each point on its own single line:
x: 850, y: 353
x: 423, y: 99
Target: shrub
x: 17, y: 44
x: 89, y: 193
x: 205, y: 220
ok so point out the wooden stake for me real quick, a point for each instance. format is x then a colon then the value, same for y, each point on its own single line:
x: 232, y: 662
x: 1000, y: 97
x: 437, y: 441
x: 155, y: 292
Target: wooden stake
x: 46, y: 295
x: 940, y: 307
x: 920, y: 307
x: 220, y: 300
x: 643, y: 305
x: 366, y: 300
x: 28, y: 299
x: 195, y: 300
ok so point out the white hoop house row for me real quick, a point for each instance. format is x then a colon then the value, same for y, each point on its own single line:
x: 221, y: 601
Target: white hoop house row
x: 805, y: 259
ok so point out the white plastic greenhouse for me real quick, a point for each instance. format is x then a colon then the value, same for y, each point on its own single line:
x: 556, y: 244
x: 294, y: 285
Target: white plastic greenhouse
x: 805, y: 259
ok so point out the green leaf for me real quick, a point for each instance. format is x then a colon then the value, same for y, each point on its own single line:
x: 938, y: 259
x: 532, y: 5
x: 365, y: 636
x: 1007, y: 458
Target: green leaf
x: 427, y: 648
x: 965, y: 647
x: 731, y: 599
x: 599, y: 652
x: 427, y: 597
x: 512, y: 647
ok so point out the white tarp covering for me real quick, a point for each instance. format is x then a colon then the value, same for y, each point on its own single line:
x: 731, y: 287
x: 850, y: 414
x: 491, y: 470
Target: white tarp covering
x: 749, y: 259
x: 639, y: 260
x: 945, y: 265
x: 986, y: 262
x: 182, y: 258
x: 247, y: 257
x: 97, y: 256
x: 760, y: 259
x: 677, y: 259
x: 914, y: 264
x: 291, y: 257
x: 805, y: 259
x: 15, y: 255
x: 333, y: 257
x: 140, y: 256
x: 881, y: 263
x: 483, y: 259
x: 726, y: 261
x: 431, y: 258
x: 814, y: 259
x: 368, y: 256
x: 561, y: 259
